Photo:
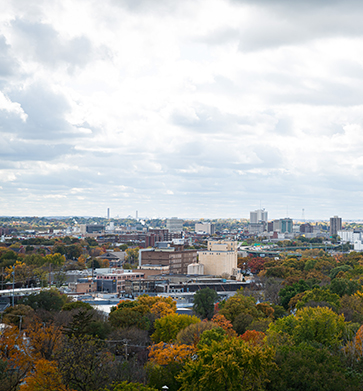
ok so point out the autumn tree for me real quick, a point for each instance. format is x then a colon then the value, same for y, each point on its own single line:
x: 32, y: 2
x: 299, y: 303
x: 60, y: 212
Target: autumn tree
x: 45, y: 376
x: 167, y: 328
x: 15, y: 358
x: 190, y: 335
x: 164, y: 354
x: 230, y: 364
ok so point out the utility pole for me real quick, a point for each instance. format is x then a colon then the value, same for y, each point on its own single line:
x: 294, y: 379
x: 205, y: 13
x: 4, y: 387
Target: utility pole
x: 125, y: 344
x: 13, y: 273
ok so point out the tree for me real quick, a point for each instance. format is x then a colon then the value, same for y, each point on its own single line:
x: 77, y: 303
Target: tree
x: 128, y: 317
x: 164, y: 354
x: 240, y: 304
x: 318, y: 295
x: 230, y: 364
x: 44, y: 377
x: 225, y: 324
x: 287, y: 293
x: 167, y: 328
x: 132, y: 255
x: 309, y: 368
x: 49, y: 300
x: 342, y: 286
x: 17, y: 314
x: 125, y: 386
x: 84, y: 364
x: 45, y: 339
x: 15, y: 358
x: 310, y: 325
x: 204, y: 300
x: 191, y: 334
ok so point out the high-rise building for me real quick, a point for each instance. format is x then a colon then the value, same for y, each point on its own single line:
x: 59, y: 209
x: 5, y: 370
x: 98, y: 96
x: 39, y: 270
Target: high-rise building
x: 258, y: 216
x: 174, y: 224
x: 286, y: 225
x: 220, y: 258
x: 108, y: 213
x: 335, y: 225
x: 208, y: 228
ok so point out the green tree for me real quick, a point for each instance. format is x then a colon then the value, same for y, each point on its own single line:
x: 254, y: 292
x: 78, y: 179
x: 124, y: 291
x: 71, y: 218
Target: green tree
x: 84, y: 363
x: 308, y: 368
x: 240, y: 304
x: 132, y: 255
x: 318, y: 325
x: 47, y: 299
x: 318, y: 295
x: 126, y: 386
x: 204, y: 300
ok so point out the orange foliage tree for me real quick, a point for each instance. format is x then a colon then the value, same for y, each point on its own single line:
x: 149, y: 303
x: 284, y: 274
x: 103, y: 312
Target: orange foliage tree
x: 354, y: 348
x: 164, y: 354
x: 15, y: 355
x: 254, y: 337
x: 44, y: 377
x: 225, y: 324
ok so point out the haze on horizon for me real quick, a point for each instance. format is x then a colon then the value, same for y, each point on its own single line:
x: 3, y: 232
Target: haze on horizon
x: 194, y: 108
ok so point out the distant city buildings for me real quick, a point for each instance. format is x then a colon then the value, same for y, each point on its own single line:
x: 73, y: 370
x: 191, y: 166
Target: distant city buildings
x: 207, y: 228
x: 335, y: 225
x: 258, y: 216
x: 174, y: 225
x: 91, y: 228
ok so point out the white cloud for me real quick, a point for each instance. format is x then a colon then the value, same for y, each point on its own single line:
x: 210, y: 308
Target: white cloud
x: 218, y: 103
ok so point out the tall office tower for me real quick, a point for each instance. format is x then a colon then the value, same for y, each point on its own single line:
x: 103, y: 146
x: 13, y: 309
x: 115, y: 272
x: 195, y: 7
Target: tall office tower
x: 174, y: 224
x: 258, y: 216
x: 108, y: 213
x: 335, y: 225
x: 208, y: 228
x: 286, y: 225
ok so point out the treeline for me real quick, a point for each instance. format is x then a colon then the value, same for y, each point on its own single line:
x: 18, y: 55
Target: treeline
x: 32, y: 263
x: 234, y: 344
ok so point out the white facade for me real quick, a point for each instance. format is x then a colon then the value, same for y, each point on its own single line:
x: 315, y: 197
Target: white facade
x: 349, y: 236
x: 196, y: 268
x: 221, y: 257
x: 358, y: 245
x: 174, y: 224
x: 208, y: 228
x: 258, y: 216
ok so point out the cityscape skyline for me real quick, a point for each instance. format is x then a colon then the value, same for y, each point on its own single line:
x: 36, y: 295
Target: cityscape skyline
x: 193, y: 108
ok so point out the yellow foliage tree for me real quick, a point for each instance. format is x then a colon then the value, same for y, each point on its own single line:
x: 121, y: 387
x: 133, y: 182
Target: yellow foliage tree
x: 151, y: 300
x: 82, y: 261
x: 161, y: 309
x: 19, y: 270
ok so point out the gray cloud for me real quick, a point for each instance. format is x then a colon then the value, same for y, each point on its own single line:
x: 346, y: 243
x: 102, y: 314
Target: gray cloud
x: 43, y: 43
x: 45, y: 110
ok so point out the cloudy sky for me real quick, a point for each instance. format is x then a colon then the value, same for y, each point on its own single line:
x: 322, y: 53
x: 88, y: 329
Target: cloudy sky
x: 193, y: 108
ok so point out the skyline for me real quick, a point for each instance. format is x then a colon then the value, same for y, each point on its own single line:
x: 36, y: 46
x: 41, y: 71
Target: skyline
x: 181, y: 109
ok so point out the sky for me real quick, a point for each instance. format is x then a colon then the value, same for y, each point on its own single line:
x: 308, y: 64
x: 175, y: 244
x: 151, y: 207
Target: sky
x: 193, y: 108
